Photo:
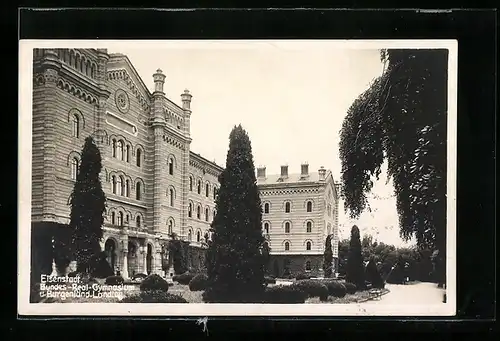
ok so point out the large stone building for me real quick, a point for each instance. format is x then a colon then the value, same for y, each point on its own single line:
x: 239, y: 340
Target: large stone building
x: 154, y: 184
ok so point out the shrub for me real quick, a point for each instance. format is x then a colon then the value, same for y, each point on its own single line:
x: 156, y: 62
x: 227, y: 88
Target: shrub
x: 302, y: 276
x: 154, y: 282
x: 284, y: 294
x: 114, y: 280
x: 269, y: 280
x: 154, y: 296
x: 336, y: 288
x: 184, y: 278
x: 313, y: 288
x: 139, y: 276
x: 73, y: 274
x: 198, y: 283
x: 350, y: 287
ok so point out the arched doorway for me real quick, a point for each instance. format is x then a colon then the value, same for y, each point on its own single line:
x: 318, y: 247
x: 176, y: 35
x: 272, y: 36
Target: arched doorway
x: 149, y: 259
x: 132, y: 259
x: 110, y: 249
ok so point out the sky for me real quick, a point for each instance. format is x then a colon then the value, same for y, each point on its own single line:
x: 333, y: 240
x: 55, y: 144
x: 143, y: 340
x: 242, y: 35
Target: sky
x: 290, y: 98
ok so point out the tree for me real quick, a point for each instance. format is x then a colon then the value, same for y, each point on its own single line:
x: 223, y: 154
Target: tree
x: 402, y: 118
x: 343, y: 254
x: 328, y: 257
x: 266, y: 254
x: 178, y: 254
x: 88, y: 203
x: 373, y: 276
x: 355, y: 267
x: 235, y: 264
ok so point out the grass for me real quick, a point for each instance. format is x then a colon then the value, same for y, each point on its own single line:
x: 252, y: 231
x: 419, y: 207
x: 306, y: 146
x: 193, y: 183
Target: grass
x: 349, y: 298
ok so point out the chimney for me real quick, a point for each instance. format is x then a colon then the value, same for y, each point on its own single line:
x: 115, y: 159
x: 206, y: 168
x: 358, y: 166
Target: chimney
x: 261, y: 172
x: 284, y: 171
x: 322, y: 173
x: 304, y: 169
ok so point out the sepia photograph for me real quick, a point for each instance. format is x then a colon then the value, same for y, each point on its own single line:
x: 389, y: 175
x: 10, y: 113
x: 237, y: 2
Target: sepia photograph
x: 237, y: 177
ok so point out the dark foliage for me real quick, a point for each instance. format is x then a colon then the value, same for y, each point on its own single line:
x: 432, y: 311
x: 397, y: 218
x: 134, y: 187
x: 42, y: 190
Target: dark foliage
x: 335, y: 288
x: 87, y: 206
x: 350, y: 288
x: 355, y: 267
x: 154, y: 296
x: 154, y: 282
x: 114, y: 280
x: 179, y: 250
x: 198, y: 283
x: 139, y: 276
x: 235, y: 260
x: 313, y: 288
x: 302, y: 276
x: 284, y: 294
x: 269, y: 280
x: 328, y: 257
x: 372, y: 275
x: 183, y: 279
x: 402, y: 118
x: 99, y: 267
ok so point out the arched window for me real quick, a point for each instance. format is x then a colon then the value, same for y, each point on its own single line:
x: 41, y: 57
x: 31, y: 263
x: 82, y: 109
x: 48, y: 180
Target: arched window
x: 190, y: 183
x: 138, y: 158
x: 171, y: 197
x: 266, y: 207
x: 214, y: 214
x: 308, y: 246
x: 287, y: 246
x: 127, y: 188
x: 308, y: 266
x: 170, y: 226
x: 171, y: 166
x: 75, y: 129
x: 119, y: 185
x: 309, y: 206
x: 198, y: 212
x: 113, y: 218
x: 207, y: 190
x: 309, y: 227
x: 287, y: 207
x: 266, y: 228
x: 287, y: 227
x: 190, y: 235
x: 190, y: 210
x: 120, y: 218
x: 206, y: 214
x: 199, y: 187
x: 120, y: 150
x: 113, y: 180
x: 127, y: 153
x: 198, y: 236
x: 215, y: 192
x: 138, y: 191
x: 138, y: 221
x: 74, y: 168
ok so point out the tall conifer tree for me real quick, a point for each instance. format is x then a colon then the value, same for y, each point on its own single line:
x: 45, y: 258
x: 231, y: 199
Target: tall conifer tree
x: 355, y: 267
x: 235, y: 260
x: 88, y: 203
x: 327, y: 267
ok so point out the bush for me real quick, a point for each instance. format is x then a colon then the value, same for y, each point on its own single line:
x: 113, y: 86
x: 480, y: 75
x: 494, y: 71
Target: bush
x: 139, y: 276
x: 198, y: 283
x: 114, y: 280
x: 154, y: 296
x: 350, y: 287
x: 302, y: 276
x: 154, y: 282
x: 269, y: 280
x: 313, y: 288
x: 183, y: 278
x: 336, y: 288
x: 73, y: 274
x: 284, y: 294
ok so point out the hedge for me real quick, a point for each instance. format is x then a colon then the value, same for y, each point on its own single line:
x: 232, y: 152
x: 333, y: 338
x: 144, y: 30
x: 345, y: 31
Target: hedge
x: 198, y: 283
x: 350, y: 287
x: 154, y: 282
x: 302, y: 276
x: 313, y: 288
x: 114, y: 280
x: 284, y: 294
x: 183, y: 278
x: 154, y: 296
x: 336, y: 288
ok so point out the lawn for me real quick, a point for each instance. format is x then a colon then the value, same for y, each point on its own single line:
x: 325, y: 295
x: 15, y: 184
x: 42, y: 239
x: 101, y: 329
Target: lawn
x: 349, y: 298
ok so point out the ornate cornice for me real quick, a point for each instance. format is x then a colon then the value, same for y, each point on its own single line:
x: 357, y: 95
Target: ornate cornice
x: 123, y: 74
x: 288, y: 191
x: 204, y: 165
x: 77, y: 91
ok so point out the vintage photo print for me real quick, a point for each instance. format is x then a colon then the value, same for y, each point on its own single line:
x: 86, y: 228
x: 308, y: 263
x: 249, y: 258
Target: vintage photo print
x: 270, y: 177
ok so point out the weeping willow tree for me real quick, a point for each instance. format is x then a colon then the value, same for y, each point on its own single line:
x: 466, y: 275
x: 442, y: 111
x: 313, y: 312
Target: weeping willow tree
x: 402, y: 118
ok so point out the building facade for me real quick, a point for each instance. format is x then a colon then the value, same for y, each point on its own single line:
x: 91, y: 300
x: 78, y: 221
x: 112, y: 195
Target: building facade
x: 154, y: 184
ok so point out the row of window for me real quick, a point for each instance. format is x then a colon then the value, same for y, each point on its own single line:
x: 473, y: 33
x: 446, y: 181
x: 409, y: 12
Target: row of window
x: 198, y: 188
x: 287, y: 225
x: 288, y: 207
x: 198, y: 212
x: 287, y: 245
x: 121, y: 151
x: 121, y: 186
x: 119, y: 219
x: 78, y: 61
